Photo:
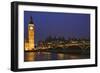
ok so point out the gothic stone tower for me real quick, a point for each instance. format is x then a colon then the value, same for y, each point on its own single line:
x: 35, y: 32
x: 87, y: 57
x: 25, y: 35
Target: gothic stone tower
x: 29, y: 43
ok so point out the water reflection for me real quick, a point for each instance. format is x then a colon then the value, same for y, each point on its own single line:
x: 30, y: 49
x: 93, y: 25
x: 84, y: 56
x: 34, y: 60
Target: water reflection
x: 45, y: 56
x: 30, y: 56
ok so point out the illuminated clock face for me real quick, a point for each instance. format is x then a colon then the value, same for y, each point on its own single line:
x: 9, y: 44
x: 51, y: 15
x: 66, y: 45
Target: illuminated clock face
x: 31, y: 28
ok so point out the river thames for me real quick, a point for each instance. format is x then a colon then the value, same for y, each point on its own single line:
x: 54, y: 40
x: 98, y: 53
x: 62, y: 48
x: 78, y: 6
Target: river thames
x: 46, y: 56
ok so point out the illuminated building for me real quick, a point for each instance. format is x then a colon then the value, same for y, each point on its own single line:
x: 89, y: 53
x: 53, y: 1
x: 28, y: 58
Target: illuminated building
x: 29, y: 41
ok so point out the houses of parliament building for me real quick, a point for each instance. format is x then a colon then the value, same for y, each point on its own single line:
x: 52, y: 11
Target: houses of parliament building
x: 29, y: 43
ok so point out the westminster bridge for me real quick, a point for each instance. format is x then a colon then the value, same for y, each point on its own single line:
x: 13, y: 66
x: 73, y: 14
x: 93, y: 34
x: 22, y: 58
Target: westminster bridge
x: 63, y: 47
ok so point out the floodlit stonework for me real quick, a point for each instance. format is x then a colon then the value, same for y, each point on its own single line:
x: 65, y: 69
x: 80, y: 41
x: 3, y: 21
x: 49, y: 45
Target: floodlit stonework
x: 29, y: 41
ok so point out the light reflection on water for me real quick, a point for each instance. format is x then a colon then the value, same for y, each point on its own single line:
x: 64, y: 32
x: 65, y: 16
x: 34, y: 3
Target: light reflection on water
x: 45, y: 56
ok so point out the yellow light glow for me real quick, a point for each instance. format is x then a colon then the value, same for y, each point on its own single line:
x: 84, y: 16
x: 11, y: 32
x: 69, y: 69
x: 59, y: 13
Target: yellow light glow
x: 31, y: 28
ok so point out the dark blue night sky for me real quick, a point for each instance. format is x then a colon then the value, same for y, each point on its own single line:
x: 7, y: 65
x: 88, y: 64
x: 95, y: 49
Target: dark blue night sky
x: 58, y: 24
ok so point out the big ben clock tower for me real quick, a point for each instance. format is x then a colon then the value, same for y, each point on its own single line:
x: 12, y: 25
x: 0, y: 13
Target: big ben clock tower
x: 31, y: 44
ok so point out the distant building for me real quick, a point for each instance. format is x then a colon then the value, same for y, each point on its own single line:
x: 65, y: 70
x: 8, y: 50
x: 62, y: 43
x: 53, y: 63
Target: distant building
x: 29, y: 41
x: 63, y: 44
